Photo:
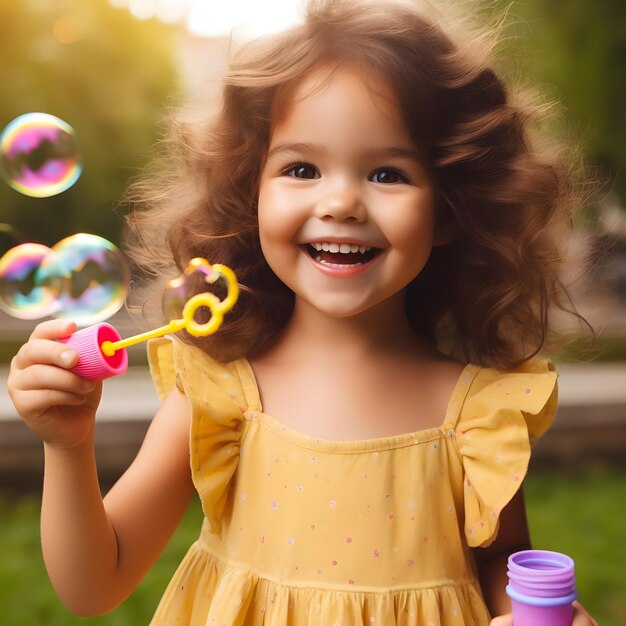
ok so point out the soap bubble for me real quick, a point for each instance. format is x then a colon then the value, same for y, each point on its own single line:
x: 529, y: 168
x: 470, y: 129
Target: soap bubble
x: 83, y: 277
x: 24, y: 293
x: 197, y: 278
x: 38, y: 155
x: 174, y: 297
x: 91, y: 275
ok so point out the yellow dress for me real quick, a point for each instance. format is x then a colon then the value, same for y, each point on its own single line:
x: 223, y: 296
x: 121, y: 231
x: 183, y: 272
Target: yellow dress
x: 304, y: 531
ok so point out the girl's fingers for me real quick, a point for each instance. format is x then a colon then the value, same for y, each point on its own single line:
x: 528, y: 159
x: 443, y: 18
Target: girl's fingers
x: 581, y: 617
x: 46, y: 352
x: 34, y: 403
x: 53, y: 329
x: 49, y: 377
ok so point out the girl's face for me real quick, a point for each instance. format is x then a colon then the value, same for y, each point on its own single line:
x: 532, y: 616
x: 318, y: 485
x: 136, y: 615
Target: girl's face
x: 346, y: 215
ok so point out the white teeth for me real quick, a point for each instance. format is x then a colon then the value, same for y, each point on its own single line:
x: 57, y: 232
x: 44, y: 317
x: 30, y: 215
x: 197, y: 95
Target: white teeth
x: 344, y: 248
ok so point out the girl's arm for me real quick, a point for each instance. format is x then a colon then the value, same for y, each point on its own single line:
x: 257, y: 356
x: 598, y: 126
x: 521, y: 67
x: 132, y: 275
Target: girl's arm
x: 96, y: 551
x: 492, y: 561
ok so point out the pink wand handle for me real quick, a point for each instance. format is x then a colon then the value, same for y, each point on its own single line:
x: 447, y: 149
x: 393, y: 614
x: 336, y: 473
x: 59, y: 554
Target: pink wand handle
x: 93, y: 364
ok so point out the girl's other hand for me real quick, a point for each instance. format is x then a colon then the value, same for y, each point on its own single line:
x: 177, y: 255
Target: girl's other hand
x: 57, y: 405
x: 581, y: 618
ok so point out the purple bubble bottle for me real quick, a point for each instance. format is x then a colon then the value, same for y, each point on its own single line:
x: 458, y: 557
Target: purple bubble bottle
x: 542, y: 587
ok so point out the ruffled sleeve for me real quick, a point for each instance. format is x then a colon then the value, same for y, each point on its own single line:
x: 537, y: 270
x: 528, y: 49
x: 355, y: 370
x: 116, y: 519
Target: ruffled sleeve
x: 218, y: 401
x: 502, y: 415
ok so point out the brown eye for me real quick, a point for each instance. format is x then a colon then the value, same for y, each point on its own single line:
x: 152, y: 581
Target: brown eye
x: 302, y: 170
x: 389, y: 176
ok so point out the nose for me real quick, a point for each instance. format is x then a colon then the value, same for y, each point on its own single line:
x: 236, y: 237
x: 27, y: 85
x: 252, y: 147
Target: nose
x: 342, y: 201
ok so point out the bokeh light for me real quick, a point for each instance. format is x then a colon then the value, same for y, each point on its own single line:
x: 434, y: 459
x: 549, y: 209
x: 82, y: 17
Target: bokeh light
x: 23, y: 292
x: 91, y: 277
x: 68, y: 29
x: 39, y: 155
x: 243, y: 19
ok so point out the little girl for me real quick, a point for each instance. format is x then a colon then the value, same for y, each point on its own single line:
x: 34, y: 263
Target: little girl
x: 359, y: 429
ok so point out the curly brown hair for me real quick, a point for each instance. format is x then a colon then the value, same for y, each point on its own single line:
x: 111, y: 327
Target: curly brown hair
x: 487, y: 294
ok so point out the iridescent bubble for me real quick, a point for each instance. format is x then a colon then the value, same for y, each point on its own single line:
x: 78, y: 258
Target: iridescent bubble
x: 38, y: 155
x: 197, y: 278
x: 174, y: 298
x: 23, y: 292
x: 91, y: 275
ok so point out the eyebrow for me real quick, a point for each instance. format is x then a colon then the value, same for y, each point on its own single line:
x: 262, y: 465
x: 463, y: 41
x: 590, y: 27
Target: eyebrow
x: 389, y: 152
x: 286, y: 147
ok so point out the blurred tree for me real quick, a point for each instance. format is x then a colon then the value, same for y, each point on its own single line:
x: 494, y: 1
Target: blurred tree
x: 578, y: 49
x: 106, y: 74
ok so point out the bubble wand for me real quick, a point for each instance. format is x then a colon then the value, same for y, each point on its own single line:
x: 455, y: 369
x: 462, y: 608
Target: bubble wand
x: 102, y: 352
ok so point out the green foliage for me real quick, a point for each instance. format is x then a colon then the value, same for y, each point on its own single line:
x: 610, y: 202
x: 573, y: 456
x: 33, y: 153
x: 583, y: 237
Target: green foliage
x: 585, y: 350
x: 110, y: 81
x: 577, y: 51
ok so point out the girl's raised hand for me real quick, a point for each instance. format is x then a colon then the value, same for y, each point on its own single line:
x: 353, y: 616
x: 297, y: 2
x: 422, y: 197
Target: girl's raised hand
x: 581, y: 618
x: 57, y: 405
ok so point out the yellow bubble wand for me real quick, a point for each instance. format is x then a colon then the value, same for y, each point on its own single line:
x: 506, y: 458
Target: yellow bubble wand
x: 102, y: 351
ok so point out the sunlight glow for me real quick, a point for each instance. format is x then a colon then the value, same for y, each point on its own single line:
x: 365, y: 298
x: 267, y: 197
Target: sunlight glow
x: 243, y: 19
x: 142, y: 9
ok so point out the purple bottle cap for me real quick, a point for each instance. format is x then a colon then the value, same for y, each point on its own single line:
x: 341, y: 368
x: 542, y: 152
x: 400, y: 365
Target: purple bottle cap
x: 93, y: 364
x: 542, y: 577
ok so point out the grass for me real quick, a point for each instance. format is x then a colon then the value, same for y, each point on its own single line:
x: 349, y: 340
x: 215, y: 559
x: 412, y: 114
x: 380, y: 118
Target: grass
x: 584, y: 515
x: 26, y: 595
x: 581, y: 514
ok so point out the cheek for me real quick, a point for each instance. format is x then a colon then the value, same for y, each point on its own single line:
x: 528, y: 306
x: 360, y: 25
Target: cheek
x: 278, y: 217
x: 268, y: 209
x: 411, y: 228
x: 271, y: 251
x: 276, y: 229
x: 263, y: 203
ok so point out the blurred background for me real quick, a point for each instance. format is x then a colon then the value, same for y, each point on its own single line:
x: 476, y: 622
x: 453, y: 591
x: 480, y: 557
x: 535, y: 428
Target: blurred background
x: 113, y: 68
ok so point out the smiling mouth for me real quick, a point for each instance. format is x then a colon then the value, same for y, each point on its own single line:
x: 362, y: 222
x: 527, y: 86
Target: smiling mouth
x: 340, y: 254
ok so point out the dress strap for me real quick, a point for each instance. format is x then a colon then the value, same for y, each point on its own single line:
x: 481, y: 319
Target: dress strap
x: 249, y: 385
x: 459, y: 394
